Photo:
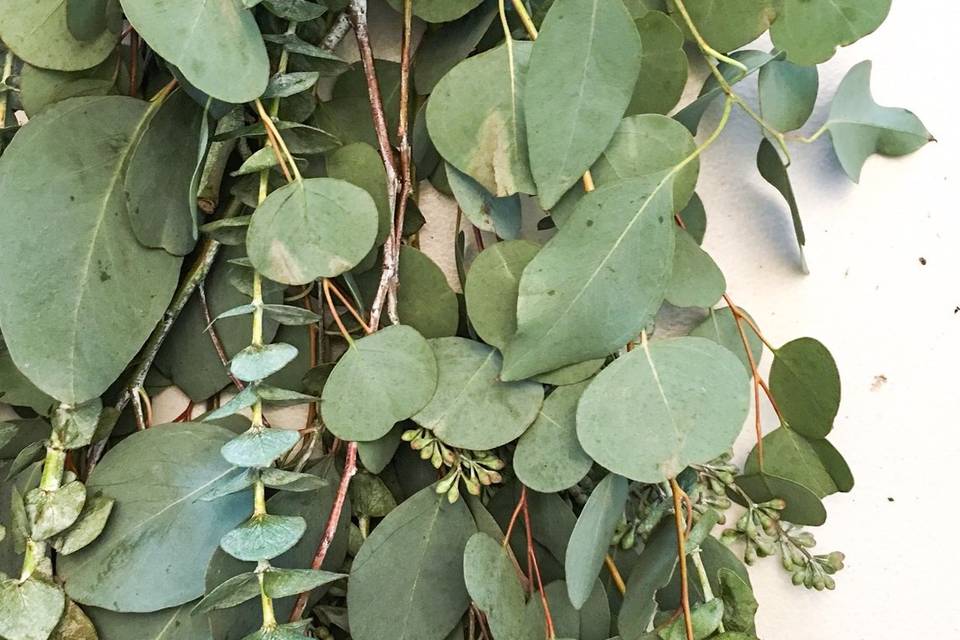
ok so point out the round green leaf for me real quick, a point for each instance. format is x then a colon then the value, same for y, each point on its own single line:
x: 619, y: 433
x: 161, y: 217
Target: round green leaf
x: 312, y: 228
x: 483, y: 133
x: 663, y: 67
x: 492, y: 281
x: 29, y: 610
x: 157, y: 478
x: 40, y: 87
x: 216, y: 45
x: 598, y: 282
x: 411, y: 566
x: 50, y: 512
x: 361, y: 164
x: 803, y: 506
x: 582, y: 72
x: 62, y: 176
x: 788, y: 94
x: 692, y: 393
x: 859, y: 127
x: 806, y: 384
x: 472, y: 408
x: 36, y: 30
x: 259, y: 446
x: 548, y: 456
x: 811, y: 30
x: 425, y: 301
x: 728, y: 24
x: 438, y: 10
x: 382, y: 379
x: 257, y: 362
x: 696, y: 280
x: 590, y: 622
x: 263, y: 537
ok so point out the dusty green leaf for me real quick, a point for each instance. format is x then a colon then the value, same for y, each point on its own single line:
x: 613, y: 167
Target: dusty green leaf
x: 789, y: 455
x: 548, y: 456
x: 157, y: 478
x: 370, y: 496
x: 739, y: 604
x: 806, y: 384
x: 40, y: 87
x: 51, y: 512
x: 287, y: 84
x: 598, y: 282
x: 75, y: 340
x: 175, y: 623
x: 591, y: 537
x: 590, y: 622
x: 651, y: 573
x: 803, y: 506
x: 728, y: 24
x: 441, y: 49
x: 493, y: 280
x: 361, y: 165
x: 696, y: 280
x: 694, y: 397
x: 774, y: 171
x: 859, y: 127
x: 259, y: 446
x: 438, y: 10
x: 159, y: 177
x: 232, y: 592
x: 411, y: 566
x: 263, y: 537
x: 788, y: 94
x: 89, y: 524
x: 216, y: 45
x: 290, y: 316
x: 312, y: 228
x: 472, y: 408
x: 663, y: 67
x: 486, y: 212
x: 36, y: 30
x: 377, y: 454
x: 291, y: 480
x: 86, y: 19
x: 280, y: 583
x: 483, y: 134
x: 29, y: 610
x: 811, y: 30
x: 17, y: 390
x: 425, y: 301
x: 493, y: 585
x: 74, y: 426
x: 296, y: 10
x: 582, y: 72
x: 704, y: 617
x: 382, y: 379
x: 721, y: 327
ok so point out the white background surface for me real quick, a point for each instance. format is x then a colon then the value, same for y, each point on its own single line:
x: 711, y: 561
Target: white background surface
x: 882, y: 313
x: 892, y: 323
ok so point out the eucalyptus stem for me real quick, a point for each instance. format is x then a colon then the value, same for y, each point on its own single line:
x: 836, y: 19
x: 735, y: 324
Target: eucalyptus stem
x: 681, y: 528
x: 704, y: 582
x: 7, y: 71
x: 51, y: 479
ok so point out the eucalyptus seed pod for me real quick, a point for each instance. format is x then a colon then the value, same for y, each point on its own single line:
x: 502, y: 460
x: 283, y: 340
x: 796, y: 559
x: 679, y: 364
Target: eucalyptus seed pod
x: 750, y: 553
x: 797, y: 577
x: 629, y: 540
x: 454, y: 493
x: 449, y: 457
x: 829, y: 583
x: 436, y: 458
x: 805, y: 539
x: 409, y: 435
x: 473, y: 487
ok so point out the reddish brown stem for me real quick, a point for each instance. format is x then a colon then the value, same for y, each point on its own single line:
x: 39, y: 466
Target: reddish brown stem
x: 349, y: 470
x: 534, y: 569
x: 682, y: 554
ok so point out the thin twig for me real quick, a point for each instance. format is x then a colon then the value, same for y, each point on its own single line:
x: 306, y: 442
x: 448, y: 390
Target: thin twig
x: 349, y: 470
x: 615, y: 574
x: 682, y: 553
x: 535, y: 570
x: 215, y: 339
x: 329, y: 284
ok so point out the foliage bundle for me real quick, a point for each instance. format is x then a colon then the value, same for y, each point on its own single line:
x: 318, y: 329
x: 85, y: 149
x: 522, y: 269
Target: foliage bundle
x: 205, y: 195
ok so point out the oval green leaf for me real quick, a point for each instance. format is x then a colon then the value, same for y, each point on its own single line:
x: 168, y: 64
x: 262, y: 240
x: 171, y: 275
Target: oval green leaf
x: 36, y: 30
x: 806, y: 384
x: 811, y: 30
x: 263, y: 537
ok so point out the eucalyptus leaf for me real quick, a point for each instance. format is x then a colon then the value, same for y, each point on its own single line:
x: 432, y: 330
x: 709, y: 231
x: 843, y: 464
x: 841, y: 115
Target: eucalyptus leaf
x: 806, y: 385
x: 811, y: 30
x: 472, y: 408
x: 37, y: 31
x: 696, y: 280
x: 591, y: 537
x: 29, y: 610
x: 692, y: 393
x: 488, y: 213
x: 175, y: 623
x: 259, y: 446
x: 157, y: 478
x: 263, y: 537
x: 728, y: 24
x: 216, y: 45
x: 40, y: 88
x: 483, y: 134
x: 788, y: 94
x: 774, y: 171
x: 493, y: 280
x: 651, y: 573
x: 720, y: 326
x: 663, y: 67
x: 382, y: 379
x: 52, y: 511
x: 438, y: 10
x: 704, y: 618
x: 377, y: 454
x: 74, y: 341
x: 859, y: 127
x: 441, y: 49
x: 802, y: 505
x: 739, y: 604
x: 257, y: 362
x: 493, y: 585
x: 361, y: 165
x: 291, y: 480
x: 87, y: 527
x: 594, y: 46
x: 791, y: 456
x: 280, y: 583
x: 232, y: 592
x: 288, y: 84
x: 312, y: 228
x: 411, y: 565
x: 548, y: 456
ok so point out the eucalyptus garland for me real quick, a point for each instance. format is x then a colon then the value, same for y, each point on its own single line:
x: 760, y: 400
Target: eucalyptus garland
x: 224, y: 197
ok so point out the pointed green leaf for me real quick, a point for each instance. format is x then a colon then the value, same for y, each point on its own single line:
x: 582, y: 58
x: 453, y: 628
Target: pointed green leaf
x: 257, y: 362
x: 591, y: 537
x: 243, y: 400
x: 312, y: 228
x: 77, y: 206
x: 280, y: 583
x: 16, y: 389
x: 411, y: 566
x: 287, y: 84
x: 216, y: 45
x: 694, y: 397
x: 483, y: 134
x: 27, y: 456
x: 598, y: 282
x: 582, y: 72
x: 811, y: 30
x: 278, y: 397
x: 774, y: 171
x: 259, y: 446
x: 29, y: 610
x: 728, y: 24
x: 859, y: 127
x: 160, y: 176
x: 548, y: 456
x: 651, y: 573
x: 591, y: 622
x: 696, y: 280
x: 37, y: 32
x: 663, y: 67
x: 486, y: 212
x: 263, y: 537
x: 789, y: 455
x: 806, y: 384
x: 788, y: 94
x: 291, y: 480
x: 382, y: 379
x: 157, y: 478
x: 291, y: 316
x: 494, y: 586
x: 472, y: 408
x: 803, y: 506
x: 232, y: 592
x: 296, y: 10
x: 88, y: 526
